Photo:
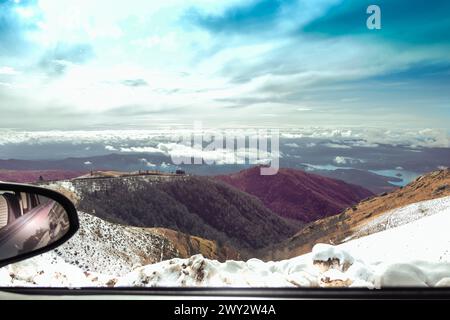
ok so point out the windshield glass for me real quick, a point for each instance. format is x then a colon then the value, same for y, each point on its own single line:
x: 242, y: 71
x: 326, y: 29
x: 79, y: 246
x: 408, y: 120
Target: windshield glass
x: 257, y: 143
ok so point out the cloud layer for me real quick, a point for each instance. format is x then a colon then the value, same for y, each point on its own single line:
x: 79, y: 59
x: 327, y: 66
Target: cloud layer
x: 73, y: 64
x: 162, y: 140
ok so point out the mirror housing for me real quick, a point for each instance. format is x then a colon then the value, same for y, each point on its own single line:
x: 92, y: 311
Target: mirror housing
x: 33, y: 220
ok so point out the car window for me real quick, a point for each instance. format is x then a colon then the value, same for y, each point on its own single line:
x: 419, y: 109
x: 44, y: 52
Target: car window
x: 253, y: 143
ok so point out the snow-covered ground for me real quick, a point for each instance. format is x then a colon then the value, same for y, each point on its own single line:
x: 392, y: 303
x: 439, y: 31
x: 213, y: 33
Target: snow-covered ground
x: 427, y: 238
x: 404, y: 215
x: 406, y: 254
x: 111, y: 248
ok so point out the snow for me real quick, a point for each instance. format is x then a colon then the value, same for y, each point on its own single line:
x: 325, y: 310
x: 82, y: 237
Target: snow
x: 404, y: 215
x: 425, y: 239
x: 101, y: 246
x: 324, y: 253
x: 417, y: 274
x: 198, y: 271
x: 412, y: 251
x: 43, y: 272
x: 62, y: 184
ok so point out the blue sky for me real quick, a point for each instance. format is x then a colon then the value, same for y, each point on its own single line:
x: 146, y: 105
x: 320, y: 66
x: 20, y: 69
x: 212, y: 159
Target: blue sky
x: 79, y: 64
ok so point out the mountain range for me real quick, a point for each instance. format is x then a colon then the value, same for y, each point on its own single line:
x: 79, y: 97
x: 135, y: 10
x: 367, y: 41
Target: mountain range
x: 378, y: 177
x: 30, y: 176
x: 245, y: 210
x: 135, y: 222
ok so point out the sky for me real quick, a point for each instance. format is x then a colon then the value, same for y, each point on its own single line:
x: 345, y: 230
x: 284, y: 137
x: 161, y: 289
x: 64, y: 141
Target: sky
x: 139, y: 64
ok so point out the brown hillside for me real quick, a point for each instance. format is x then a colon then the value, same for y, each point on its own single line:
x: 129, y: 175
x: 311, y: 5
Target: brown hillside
x: 188, y: 245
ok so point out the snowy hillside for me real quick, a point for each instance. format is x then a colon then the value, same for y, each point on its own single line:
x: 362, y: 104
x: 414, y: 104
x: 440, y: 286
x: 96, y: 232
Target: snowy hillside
x: 404, y: 215
x: 410, y: 254
x: 426, y: 238
x: 110, y: 248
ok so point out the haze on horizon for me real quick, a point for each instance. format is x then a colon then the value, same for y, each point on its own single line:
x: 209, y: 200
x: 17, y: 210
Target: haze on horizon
x: 79, y: 64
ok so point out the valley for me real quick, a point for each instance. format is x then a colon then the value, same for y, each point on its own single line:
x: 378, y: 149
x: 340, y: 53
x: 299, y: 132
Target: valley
x: 150, y: 228
x: 199, y: 206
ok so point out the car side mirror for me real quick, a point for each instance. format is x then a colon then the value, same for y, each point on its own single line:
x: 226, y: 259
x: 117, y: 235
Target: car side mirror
x: 33, y: 220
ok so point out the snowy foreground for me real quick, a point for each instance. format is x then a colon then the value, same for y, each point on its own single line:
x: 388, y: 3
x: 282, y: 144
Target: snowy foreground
x: 411, y: 253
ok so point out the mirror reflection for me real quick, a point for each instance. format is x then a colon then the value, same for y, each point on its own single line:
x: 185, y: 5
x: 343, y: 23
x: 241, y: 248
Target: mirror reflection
x: 28, y: 222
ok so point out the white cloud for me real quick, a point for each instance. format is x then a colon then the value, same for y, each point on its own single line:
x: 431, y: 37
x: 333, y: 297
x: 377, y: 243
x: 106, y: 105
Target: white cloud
x: 26, y: 12
x: 336, y: 146
x: 373, y: 137
x: 110, y: 148
x: 340, y: 160
x: 180, y: 152
x: 145, y: 140
x: 165, y: 165
x: 367, y: 144
x: 292, y: 145
x: 147, y: 163
x: 141, y: 149
x: 347, y: 160
x: 9, y: 71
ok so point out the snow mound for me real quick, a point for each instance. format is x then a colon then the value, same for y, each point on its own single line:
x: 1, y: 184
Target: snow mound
x: 198, y: 272
x: 297, y: 272
x: 417, y: 274
x: 328, y: 256
x: 42, y: 271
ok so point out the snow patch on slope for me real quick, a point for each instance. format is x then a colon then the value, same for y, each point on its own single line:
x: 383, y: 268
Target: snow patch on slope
x: 62, y: 184
x: 404, y: 215
x: 110, y: 248
x: 425, y: 239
